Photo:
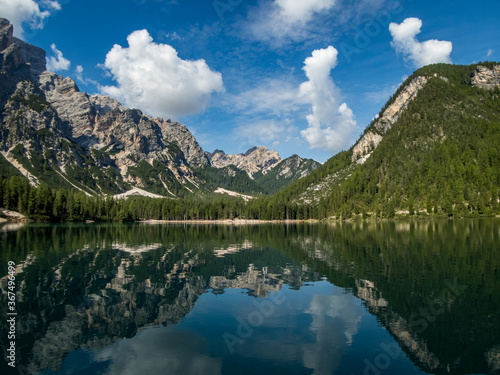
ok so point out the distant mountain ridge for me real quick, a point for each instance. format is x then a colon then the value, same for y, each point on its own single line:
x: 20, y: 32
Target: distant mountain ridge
x: 254, y: 160
x: 53, y: 133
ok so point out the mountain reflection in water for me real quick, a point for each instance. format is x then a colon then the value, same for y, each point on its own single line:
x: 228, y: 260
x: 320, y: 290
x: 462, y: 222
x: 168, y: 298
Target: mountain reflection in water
x: 356, y: 298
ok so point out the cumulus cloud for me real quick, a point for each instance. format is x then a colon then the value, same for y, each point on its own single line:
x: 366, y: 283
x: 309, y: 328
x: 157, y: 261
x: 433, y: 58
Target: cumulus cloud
x: 169, y: 351
x: 331, y: 123
x: 420, y: 53
x: 57, y: 62
x: 21, y: 12
x: 153, y: 78
x: 285, y: 19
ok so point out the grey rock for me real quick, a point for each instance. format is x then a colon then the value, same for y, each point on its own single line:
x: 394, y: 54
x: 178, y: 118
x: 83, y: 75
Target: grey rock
x: 103, y: 104
x: 485, y: 78
x: 371, y: 139
x: 255, y: 160
x: 33, y: 56
x: 72, y: 106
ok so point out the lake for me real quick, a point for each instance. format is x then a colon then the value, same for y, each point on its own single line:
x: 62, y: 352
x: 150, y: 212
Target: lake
x: 372, y: 298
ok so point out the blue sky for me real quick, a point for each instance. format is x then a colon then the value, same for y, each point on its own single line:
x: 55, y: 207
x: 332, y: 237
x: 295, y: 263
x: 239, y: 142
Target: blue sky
x: 297, y: 76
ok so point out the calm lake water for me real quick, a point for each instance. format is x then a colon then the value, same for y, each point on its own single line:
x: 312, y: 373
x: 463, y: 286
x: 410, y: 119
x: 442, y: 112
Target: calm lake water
x: 361, y: 298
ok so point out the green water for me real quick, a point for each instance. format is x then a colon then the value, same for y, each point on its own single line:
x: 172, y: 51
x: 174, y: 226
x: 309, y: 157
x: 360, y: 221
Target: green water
x: 361, y: 298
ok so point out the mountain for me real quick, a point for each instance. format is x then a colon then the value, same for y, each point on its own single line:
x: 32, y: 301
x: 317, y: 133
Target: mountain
x: 266, y: 167
x: 284, y: 173
x: 256, y: 159
x: 434, y: 147
x: 53, y: 133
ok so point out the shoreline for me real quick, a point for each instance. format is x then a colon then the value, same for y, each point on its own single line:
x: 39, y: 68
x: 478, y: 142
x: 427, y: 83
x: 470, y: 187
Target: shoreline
x: 232, y: 222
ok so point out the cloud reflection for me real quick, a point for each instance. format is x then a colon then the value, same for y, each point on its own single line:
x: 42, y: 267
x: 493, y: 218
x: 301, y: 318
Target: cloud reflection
x: 161, y: 351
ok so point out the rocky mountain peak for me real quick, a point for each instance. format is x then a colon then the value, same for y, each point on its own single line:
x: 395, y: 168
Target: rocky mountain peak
x: 254, y: 160
x: 6, y: 33
x: 482, y: 77
x: 25, y: 53
x: 250, y: 150
x: 103, y: 104
x: 19, y: 61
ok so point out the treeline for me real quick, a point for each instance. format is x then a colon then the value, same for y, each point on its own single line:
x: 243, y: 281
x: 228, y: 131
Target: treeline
x: 41, y: 203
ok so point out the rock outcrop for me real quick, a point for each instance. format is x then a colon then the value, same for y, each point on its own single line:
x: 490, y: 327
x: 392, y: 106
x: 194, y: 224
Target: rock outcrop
x: 366, y: 145
x: 485, y: 78
x: 372, y: 138
x: 97, y: 122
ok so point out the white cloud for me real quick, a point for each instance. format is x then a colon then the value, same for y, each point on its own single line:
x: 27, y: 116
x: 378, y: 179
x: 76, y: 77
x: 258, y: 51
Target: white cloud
x: 331, y: 123
x: 169, y: 350
x: 57, y: 62
x: 153, y: 78
x: 293, y: 11
x: 420, y: 53
x: 281, y: 22
x: 272, y: 97
x: 174, y: 36
x: 20, y: 12
x: 51, y: 4
x: 79, y: 72
x: 285, y: 19
x: 490, y: 52
x: 264, y: 131
x: 81, y: 79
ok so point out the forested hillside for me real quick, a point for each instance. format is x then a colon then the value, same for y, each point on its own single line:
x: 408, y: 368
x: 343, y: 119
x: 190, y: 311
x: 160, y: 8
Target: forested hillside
x: 442, y: 156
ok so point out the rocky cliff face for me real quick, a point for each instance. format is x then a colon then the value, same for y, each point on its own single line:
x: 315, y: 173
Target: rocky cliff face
x: 485, y: 78
x: 365, y: 146
x: 102, y: 123
x: 256, y: 159
x: 92, y: 143
x: 266, y: 167
x: 372, y: 138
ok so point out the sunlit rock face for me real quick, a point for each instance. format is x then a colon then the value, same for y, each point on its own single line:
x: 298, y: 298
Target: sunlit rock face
x: 372, y: 138
x: 256, y: 159
x: 486, y: 78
